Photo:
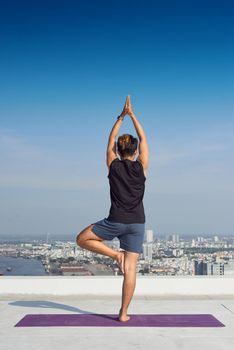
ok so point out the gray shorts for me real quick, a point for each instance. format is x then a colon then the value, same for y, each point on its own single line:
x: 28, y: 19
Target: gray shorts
x: 131, y: 236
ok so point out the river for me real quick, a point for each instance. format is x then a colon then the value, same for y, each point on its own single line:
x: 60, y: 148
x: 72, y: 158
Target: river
x: 21, y: 266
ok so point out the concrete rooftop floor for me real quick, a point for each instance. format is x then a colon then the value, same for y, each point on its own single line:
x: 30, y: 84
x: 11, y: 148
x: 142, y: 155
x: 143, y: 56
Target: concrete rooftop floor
x: 15, y: 307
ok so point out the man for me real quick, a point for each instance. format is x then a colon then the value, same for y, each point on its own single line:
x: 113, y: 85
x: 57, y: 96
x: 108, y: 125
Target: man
x: 126, y: 219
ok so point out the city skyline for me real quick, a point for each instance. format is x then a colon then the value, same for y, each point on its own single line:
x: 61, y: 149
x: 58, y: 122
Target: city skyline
x: 169, y: 256
x: 65, y: 73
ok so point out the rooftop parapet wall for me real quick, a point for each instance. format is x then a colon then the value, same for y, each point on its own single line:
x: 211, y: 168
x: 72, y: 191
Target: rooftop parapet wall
x: 112, y: 285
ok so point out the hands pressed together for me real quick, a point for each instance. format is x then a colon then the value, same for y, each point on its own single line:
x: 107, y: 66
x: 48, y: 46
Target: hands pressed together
x: 127, y: 108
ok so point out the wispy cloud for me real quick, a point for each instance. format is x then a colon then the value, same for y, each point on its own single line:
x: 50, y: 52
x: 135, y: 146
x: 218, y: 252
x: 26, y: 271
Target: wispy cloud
x: 167, y: 156
x: 186, y: 165
x: 198, y: 162
x: 27, y: 165
x: 217, y: 140
x: 13, y: 146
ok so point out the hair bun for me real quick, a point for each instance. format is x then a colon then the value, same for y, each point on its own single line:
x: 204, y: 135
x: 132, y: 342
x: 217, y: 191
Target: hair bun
x: 127, y: 144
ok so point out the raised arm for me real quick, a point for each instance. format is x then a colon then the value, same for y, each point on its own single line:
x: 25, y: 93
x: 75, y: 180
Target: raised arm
x: 111, y: 146
x: 143, y: 145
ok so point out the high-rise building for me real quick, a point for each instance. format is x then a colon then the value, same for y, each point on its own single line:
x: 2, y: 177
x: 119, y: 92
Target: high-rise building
x: 200, y: 267
x: 229, y: 268
x: 149, y: 236
x: 147, y: 251
x: 215, y: 268
x: 193, y: 244
x: 178, y: 252
x: 175, y: 238
x: 184, y: 264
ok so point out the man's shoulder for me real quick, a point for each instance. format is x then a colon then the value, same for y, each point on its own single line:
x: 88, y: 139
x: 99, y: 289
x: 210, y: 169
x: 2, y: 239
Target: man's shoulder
x: 141, y: 166
x: 115, y: 160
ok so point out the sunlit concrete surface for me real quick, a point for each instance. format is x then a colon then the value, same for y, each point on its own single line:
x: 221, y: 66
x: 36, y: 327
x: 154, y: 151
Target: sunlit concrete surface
x: 14, y: 307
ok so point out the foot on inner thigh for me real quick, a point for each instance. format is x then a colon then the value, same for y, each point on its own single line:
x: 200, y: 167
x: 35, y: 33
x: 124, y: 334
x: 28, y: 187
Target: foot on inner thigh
x: 120, y: 260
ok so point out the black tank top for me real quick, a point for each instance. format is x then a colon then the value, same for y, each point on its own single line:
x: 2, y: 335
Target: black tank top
x: 127, y: 186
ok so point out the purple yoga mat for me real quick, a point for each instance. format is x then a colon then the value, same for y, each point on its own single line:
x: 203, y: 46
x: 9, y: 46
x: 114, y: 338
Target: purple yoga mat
x: 111, y: 320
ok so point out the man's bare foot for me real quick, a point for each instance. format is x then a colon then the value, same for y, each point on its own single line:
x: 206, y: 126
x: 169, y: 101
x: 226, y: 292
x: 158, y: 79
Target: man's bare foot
x: 120, y: 260
x: 123, y: 317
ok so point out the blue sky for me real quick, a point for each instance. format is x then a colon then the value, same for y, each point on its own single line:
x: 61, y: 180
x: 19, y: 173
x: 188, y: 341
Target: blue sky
x: 66, y: 68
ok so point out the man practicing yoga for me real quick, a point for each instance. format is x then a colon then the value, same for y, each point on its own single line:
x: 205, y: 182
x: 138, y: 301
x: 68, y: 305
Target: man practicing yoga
x: 126, y: 219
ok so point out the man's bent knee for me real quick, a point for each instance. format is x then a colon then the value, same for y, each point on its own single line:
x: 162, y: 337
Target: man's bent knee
x: 79, y: 239
x: 86, y: 234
